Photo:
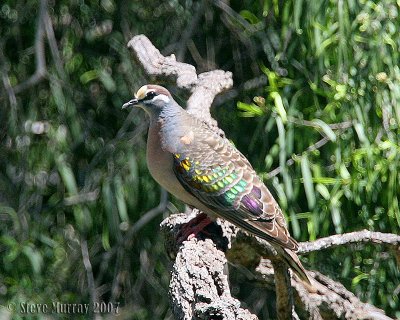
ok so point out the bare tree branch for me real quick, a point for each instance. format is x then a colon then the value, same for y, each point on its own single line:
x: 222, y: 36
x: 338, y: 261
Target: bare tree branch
x: 333, y: 126
x: 89, y: 272
x: 331, y: 301
x: 363, y: 236
x: 199, y: 287
x: 51, y: 38
x: 315, y: 146
x: 41, y: 70
x: 290, y: 162
x: 155, y: 64
x: 9, y: 89
x: 148, y: 216
x: 188, y: 32
x: 284, y: 295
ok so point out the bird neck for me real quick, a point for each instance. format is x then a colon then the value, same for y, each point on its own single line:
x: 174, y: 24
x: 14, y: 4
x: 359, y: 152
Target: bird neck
x: 167, y: 112
x: 171, y: 111
x: 171, y: 124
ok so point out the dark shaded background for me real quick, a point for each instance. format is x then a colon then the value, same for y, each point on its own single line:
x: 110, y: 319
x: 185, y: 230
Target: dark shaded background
x: 73, y: 178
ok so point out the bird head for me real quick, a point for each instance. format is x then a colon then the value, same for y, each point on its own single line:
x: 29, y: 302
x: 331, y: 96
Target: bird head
x: 151, y: 98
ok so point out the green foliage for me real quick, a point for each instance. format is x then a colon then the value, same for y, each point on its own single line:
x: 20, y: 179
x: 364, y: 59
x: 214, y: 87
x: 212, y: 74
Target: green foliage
x: 337, y: 83
x: 72, y: 164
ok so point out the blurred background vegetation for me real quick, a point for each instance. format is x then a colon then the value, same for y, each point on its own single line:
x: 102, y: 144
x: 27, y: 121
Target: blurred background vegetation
x: 315, y: 107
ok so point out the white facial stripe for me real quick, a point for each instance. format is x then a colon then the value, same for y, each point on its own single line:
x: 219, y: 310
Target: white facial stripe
x: 161, y: 97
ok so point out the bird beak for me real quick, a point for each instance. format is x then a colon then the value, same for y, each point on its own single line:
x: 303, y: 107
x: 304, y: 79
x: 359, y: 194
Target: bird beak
x: 130, y: 103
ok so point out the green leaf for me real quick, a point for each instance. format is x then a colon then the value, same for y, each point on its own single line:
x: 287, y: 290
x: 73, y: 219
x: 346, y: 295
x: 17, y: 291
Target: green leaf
x: 361, y: 133
x: 308, y: 183
x: 323, y: 191
x: 249, y: 16
x: 250, y: 110
x: 329, y: 181
x: 336, y: 218
x: 344, y: 173
x: 34, y: 257
x: 119, y: 195
x: 89, y: 76
x: 105, y: 239
x: 357, y: 279
x: 295, y: 224
x: 107, y: 81
x: 67, y: 176
x: 325, y: 128
x: 279, y: 106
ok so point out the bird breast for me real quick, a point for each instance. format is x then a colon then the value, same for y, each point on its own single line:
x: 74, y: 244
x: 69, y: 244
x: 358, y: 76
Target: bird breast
x: 160, y: 164
x: 158, y: 159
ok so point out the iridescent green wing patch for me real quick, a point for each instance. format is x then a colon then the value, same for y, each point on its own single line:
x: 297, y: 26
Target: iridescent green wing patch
x: 215, y: 185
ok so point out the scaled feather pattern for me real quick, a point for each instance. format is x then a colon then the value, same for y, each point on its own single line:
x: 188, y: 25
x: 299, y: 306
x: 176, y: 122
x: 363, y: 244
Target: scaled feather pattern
x: 216, y: 173
x: 203, y: 169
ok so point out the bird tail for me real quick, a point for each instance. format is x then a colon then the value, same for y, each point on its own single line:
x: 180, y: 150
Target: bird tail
x: 292, y: 260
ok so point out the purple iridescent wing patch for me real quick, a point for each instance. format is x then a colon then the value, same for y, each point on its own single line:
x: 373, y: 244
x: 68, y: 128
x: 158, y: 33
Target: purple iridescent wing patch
x: 252, y: 202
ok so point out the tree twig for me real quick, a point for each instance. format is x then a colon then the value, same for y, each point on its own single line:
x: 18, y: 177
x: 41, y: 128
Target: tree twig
x: 148, y: 216
x: 9, y: 89
x: 41, y: 70
x: 363, y: 236
x: 89, y: 272
x: 51, y: 38
x: 307, y: 123
x: 188, y: 32
x: 290, y: 162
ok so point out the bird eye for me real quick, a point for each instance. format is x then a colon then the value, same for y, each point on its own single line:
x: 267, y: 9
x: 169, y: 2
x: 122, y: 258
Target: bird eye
x: 150, y: 95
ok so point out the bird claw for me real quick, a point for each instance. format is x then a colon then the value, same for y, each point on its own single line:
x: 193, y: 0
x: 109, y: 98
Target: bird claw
x: 192, y: 228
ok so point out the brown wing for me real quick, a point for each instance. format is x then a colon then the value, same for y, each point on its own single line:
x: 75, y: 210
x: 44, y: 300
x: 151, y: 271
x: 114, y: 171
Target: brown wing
x: 215, y: 172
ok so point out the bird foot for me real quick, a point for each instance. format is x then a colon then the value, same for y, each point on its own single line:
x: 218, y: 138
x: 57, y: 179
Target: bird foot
x: 192, y: 228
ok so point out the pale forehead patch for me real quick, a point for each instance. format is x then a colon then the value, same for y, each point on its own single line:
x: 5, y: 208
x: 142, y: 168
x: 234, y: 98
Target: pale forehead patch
x: 141, y: 93
x: 161, y: 93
